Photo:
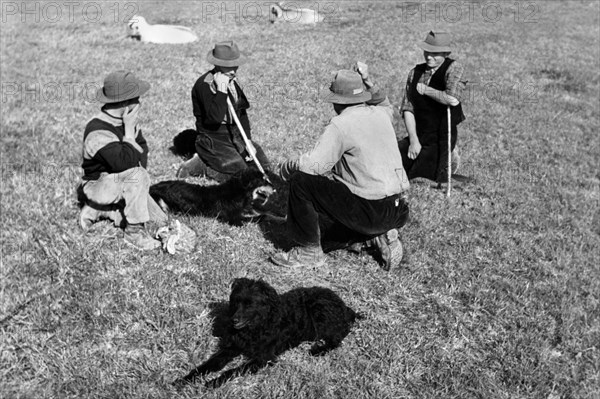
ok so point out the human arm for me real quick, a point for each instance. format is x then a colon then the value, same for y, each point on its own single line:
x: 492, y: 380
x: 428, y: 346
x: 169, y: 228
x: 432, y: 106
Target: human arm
x: 130, y: 117
x: 133, y: 134
x: 141, y: 141
x: 407, y: 112
x: 378, y: 96
x: 414, y: 147
x: 115, y: 155
x: 119, y: 147
x: 440, y: 96
x: 320, y: 159
x: 209, y: 99
x: 454, y: 85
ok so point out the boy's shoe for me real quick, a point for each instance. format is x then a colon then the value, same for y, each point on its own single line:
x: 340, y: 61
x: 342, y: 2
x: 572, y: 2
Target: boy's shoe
x: 192, y: 167
x: 300, y: 257
x: 87, y: 217
x: 137, y: 236
x: 389, y: 247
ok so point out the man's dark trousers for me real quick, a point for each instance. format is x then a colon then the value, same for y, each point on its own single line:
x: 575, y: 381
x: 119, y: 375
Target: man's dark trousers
x: 224, y: 150
x: 324, y: 211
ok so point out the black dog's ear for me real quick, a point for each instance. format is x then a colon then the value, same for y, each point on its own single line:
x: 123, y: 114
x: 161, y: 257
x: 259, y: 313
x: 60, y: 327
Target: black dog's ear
x: 269, y: 292
x: 240, y: 282
x: 250, y: 178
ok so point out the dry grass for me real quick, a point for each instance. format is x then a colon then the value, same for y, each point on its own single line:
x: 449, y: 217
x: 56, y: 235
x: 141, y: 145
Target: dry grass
x: 498, y: 296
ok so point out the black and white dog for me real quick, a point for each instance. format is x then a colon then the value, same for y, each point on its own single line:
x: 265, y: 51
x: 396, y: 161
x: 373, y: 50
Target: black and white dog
x: 233, y: 201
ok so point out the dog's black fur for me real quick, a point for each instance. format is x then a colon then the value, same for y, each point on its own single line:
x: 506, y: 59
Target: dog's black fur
x: 184, y: 143
x: 263, y: 324
x: 233, y: 201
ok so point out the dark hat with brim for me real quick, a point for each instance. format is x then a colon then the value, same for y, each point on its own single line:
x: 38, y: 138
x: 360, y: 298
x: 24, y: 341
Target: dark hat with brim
x: 121, y: 86
x: 437, y: 42
x: 347, y: 88
x: 225, y: 54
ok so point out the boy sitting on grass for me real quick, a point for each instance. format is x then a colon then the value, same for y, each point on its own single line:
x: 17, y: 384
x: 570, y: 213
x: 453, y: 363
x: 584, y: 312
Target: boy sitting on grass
x: 115, y: 156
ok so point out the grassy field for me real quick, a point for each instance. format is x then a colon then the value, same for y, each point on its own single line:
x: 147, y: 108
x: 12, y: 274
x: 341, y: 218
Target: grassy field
x: 499, y: 293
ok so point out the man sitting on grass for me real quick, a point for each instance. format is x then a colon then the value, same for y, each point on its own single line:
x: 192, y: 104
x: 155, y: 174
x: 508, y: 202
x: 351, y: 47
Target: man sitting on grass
x: 115, y: 156
x: 430, y: 88
x: 348, y: 188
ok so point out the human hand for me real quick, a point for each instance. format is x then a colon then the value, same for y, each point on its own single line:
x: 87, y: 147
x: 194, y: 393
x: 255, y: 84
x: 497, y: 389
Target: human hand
x: 130, y: 117
x: 421, y: 88
x: 362, y: 69
x: 221, y: 81
x: 414, y: 149
x: 287, y: 168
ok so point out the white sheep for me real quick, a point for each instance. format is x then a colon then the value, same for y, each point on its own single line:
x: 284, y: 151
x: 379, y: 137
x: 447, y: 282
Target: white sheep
x: 138, y: 28
x: 278, y: 12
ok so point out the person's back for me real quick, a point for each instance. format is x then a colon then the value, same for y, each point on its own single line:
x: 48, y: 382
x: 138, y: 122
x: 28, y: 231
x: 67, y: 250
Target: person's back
x: 363, y: 203
x: 371, y: 165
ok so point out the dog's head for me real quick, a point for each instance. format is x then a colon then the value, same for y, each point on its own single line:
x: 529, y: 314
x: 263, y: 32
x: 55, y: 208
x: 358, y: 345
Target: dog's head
x: 252, y: 303
x: 253, y: 181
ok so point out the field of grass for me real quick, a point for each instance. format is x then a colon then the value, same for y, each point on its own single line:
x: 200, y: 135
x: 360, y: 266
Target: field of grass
x: 499, y: 293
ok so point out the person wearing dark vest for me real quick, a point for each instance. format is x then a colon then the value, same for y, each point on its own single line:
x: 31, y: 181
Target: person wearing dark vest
x: 115, y: 156
x: 220, y: 146
x: 430, y: 88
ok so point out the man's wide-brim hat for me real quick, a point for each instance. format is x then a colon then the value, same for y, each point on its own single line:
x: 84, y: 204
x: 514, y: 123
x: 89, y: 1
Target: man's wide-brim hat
x: 347, y: 88
x: 225, y: 54
x: 437, y: 42
x: 121, y: 86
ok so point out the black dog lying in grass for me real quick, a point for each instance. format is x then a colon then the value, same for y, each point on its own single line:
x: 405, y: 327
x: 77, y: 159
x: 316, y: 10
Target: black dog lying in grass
x: 233, y: 201
x: 264, y: 324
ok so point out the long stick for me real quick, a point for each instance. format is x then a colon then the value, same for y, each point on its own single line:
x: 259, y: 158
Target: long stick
x: 449, y: 153
x: 249, y: 146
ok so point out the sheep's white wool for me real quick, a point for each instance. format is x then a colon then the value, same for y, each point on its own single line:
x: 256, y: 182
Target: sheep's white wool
x: 280, y: 13
x: 161, y: 34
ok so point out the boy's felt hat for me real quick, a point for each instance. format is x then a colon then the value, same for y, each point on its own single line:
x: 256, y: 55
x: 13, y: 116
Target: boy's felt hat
x: 225, y: 54
x: 121, y: 86
x: 347, y: 88
x: 437, y: 42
